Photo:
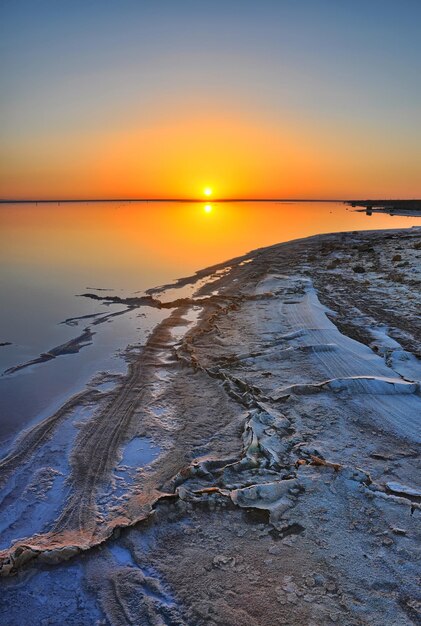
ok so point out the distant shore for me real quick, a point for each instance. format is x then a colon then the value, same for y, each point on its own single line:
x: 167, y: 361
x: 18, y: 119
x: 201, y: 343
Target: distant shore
x: 391, y: 207
x: 409, y: 205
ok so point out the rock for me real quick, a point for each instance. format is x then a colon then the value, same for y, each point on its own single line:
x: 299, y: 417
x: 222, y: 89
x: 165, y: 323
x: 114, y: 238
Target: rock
x: 224, y: 562
x: 405, y: 490
x: 292, y: 598
x: 356, y: 474
x: 387, y: 541
x: 319, y: 580
x: 289, y: 586
x: 274, y: 497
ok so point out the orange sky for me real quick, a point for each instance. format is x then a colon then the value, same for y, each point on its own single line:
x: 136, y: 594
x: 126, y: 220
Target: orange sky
x: 177, y: 155
x: 280, y: 99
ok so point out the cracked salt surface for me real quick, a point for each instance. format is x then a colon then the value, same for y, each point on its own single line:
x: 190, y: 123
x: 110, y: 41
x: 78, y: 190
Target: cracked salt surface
x: 37, y: 490
x: 398, y: 359
x: 191, y: 317
x: 192, y: 288
x: 56, y: 595
x: 352, y: 367
x: 137, y: 455
x: 139, y: 452
x: 150, y: 587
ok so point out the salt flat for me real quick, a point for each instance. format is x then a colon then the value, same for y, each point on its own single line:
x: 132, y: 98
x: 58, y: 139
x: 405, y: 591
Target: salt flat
x: 258, y: 464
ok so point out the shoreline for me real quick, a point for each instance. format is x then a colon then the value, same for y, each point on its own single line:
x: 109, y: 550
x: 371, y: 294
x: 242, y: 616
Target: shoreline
x: 289, y: 407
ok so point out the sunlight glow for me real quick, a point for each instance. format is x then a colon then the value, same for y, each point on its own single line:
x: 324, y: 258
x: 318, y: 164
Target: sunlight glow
x: 207, y: 191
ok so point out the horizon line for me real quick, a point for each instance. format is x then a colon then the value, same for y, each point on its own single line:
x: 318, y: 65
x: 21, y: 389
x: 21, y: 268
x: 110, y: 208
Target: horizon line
x: 200, y: 200
x: 206, y: 200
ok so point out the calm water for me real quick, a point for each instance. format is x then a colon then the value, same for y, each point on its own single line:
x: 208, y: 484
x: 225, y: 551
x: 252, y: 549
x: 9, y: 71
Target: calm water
x: 51, y: 253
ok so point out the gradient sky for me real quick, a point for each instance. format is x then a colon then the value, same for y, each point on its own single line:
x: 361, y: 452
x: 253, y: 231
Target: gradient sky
x: 281, y: 98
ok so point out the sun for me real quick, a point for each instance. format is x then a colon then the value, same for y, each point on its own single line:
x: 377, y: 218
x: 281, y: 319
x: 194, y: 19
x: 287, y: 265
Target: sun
x: 208, y: 208
x: 207, y: 191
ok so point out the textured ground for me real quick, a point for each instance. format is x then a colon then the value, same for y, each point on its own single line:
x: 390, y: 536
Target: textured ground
x: 259, y: 464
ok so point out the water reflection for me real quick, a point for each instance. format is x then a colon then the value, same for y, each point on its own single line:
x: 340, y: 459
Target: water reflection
x: 50, y: 253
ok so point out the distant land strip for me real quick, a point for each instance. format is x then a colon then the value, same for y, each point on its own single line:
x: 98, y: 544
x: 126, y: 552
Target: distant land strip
x: 412, y: 204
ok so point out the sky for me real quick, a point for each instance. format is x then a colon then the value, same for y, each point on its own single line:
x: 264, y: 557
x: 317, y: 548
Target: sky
x: 162, y: 98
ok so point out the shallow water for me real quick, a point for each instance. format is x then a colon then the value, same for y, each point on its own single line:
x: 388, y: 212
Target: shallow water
x: 49, y: 254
